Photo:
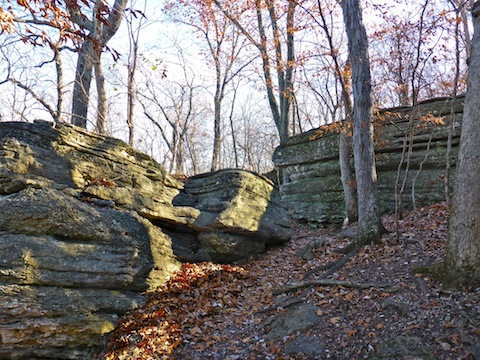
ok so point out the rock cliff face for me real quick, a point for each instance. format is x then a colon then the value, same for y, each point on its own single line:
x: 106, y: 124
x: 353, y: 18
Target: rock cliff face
x: 314, y: 191
x: 87, y: 224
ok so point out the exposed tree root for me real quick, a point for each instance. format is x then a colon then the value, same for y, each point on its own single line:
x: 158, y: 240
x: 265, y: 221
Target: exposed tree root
x: 347, y: 249
x: 282, y: 304
x: 334, y: 266
x: 306, y: 253
x: 348, y: 284
x: 350, y: 250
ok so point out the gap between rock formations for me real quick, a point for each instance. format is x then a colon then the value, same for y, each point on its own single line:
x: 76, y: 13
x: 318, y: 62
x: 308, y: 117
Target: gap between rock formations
x: 375, y: 307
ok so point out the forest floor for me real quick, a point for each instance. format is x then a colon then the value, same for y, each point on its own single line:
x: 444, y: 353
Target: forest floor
x: 210, y: 311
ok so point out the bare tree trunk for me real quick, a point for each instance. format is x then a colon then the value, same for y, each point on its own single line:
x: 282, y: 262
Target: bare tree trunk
x: 462, y: 5
x: 409, y: 135
x: 100, y: 33
x: 223, y: 62
x: 182, y: 133
x: 279, y: 103
x: 407, y: 150
x: 101, y: 98
x: 60, y: 92
x: 266, y: 67
x: 81, y: 87
x: 345, y: 145
x: 192, y: 153
x: 462, y: 265
x: 232, y: 129
x: 174, y: 143
x: 403, y: 94
x: 284, y: 68
x: 346, y: 175
x: 217, y: 105
x: 369, y: 220
x: 134, y: 35
x: 448, y: 161
x: 131, y: 102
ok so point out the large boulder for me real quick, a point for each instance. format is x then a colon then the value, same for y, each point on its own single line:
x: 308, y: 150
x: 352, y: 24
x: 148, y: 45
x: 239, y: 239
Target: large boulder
x: 72, y: 263
x: 87, y: 224
x: 68, y: 271
x: 48, y: 237
x: 240, y: 214
x: 101, y: 167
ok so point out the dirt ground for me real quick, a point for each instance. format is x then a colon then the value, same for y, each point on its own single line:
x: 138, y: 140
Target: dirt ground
x: 376, y: 306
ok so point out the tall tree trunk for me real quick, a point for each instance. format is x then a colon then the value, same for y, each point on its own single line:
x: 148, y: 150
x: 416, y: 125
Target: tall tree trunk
x: 459, y: 9
x: 466, y: 30
x: 101, y: 31
x: 101, y: 98
x: 284, y: 68
x: 262, y: 46
x: 232, y: 128
x: 131, y: 101
x: 81, y: 87
x: 133, y: 36
x: 60, y: 91
x: 462, y: 265
x: 369, y: 220
x: 346, y: 175
x: 288, y: 93
x: 345, y: 144
x: 174, y: 146
x: 217, y: 118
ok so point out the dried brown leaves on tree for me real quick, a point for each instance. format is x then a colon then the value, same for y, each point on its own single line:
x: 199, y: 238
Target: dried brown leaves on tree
x: 42, y: 15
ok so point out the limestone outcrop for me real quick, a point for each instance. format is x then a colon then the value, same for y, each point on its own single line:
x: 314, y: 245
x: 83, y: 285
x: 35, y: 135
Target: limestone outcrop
x: 240, y: 214
x: 314, y: 192
x: 88, y: 223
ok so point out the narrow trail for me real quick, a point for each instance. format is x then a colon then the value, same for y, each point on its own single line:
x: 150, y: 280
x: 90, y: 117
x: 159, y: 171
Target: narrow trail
x: 210, y: 311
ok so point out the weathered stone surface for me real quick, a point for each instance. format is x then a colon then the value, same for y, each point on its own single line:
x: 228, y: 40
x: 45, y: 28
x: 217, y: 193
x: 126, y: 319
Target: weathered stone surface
x: 476, y: 351
x: 297, y: 318
x: 403, y: 347
x: 239, y: 215
x: 49, y: 238
x: 69, y: 270
x: 307, y: 252
x: 228, y: 247
x: 103, y: 167
x: 314, y: 193
x: 87, y: 224
x: 58, y: 322
x: 310, y: 346
x: 239, y: 200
